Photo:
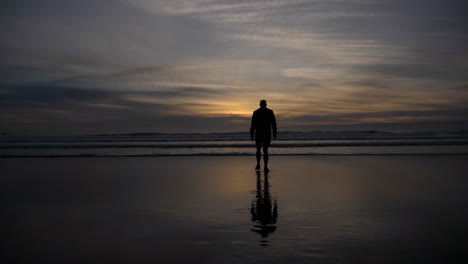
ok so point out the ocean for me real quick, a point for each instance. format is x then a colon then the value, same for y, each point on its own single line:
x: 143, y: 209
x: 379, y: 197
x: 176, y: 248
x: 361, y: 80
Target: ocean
x: 237, y: 144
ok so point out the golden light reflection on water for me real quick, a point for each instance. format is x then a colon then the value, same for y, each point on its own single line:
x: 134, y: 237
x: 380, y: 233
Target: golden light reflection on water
x: 231, y: 180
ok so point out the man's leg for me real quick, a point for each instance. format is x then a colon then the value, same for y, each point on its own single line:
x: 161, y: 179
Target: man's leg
x: 265, y: 157
x: 259, y: 156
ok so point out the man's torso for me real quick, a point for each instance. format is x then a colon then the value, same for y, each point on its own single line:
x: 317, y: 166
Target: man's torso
x: 263, y: 119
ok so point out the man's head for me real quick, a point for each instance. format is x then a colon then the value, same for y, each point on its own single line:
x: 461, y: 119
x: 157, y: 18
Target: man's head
x: 263, y: 103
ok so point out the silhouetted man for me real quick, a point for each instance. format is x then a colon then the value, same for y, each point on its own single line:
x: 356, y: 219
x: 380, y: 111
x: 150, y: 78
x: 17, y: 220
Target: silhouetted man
x: 263, y: 121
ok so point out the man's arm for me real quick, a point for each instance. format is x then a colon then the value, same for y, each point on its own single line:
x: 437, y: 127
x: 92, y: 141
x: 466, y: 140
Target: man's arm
x: 252, y: 127
x: 273, y: 124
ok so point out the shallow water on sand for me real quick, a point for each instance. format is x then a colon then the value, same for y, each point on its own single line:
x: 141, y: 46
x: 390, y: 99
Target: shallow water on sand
x: 364, y: 209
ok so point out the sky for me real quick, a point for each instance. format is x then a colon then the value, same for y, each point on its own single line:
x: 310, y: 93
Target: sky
x: 127, y: 66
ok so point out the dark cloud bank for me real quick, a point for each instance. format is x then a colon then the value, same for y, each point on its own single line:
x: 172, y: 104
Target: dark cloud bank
x: 56, y: 110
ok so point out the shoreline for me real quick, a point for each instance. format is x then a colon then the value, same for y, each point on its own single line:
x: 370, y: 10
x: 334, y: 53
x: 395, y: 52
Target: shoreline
x: 228, y: 155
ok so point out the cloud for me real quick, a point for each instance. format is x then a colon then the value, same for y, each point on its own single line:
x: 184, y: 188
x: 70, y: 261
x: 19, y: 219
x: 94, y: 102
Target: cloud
x: 411, y: 71
x: 393, y: 120
x: 43, y: 93
x: 313, y: 73
x: 155, y: 63
x: 64, y: 110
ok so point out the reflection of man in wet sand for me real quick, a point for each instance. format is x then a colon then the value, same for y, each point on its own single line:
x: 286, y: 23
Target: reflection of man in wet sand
x: 263, y: 121
x: 263, y: 212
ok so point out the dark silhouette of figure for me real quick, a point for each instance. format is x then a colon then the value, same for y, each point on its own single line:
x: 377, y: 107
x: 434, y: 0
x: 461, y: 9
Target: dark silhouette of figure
x: 263, y: 122
x: 264, y: 213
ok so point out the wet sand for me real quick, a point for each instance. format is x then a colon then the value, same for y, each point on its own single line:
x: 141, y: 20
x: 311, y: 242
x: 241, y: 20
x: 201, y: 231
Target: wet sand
x: 309, y: 209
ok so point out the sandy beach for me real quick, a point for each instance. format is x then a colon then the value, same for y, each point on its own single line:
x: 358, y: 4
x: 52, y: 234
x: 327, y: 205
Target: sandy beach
x: 308, y: 209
